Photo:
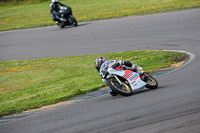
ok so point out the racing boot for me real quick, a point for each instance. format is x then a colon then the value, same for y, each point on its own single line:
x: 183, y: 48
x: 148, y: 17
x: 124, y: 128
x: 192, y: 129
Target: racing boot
x: 111, y: 92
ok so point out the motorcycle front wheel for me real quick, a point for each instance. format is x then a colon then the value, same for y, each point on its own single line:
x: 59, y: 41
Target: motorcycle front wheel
x: 74, y: 22
x: 122, y: 89
x: 151, y: 82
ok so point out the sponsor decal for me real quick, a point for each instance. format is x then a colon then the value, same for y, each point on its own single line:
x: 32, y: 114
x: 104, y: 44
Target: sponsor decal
x: 133, y: 82
x: 134, y: 77
x: 130, y: 76
x: 127, y: 74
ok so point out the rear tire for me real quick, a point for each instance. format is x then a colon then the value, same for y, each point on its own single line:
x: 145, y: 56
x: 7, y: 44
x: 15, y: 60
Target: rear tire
x: 123, y: 89
x: 61, y: 25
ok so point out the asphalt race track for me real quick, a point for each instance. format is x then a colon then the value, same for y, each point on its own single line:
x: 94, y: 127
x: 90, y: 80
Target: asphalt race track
x: 172, y: 108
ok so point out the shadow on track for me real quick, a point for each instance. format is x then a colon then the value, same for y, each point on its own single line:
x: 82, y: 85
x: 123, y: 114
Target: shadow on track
x: 68, y: 27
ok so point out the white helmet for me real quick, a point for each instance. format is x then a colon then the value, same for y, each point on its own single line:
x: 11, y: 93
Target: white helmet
x: 54, y: 1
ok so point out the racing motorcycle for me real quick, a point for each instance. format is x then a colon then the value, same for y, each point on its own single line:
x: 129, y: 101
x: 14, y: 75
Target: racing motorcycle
x: 66, y: 18
x: 126, y: 82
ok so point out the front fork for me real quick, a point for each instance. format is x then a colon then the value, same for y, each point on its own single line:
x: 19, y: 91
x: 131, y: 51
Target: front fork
x: 144, y: 76
x: 118, y: 80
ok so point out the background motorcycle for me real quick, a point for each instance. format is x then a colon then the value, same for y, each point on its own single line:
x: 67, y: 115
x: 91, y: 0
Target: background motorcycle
x: 126, y: 82
x: 66, y: 18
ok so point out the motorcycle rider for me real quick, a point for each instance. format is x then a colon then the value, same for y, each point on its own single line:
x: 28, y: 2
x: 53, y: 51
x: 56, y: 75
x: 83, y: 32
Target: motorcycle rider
x: 101, y: 64
x: 54, y: 10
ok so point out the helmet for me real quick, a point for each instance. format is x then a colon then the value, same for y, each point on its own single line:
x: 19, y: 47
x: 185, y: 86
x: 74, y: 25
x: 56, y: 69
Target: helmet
x: 54, y: 1
x: 99, y: 61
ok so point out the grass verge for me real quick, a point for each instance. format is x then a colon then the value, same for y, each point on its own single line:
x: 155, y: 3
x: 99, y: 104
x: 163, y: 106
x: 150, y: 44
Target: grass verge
x: 36, y: 13
x: 29, y: 84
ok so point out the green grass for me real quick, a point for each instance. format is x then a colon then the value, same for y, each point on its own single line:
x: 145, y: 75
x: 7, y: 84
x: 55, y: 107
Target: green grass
x: 36, y: 13
x: 29, y: 84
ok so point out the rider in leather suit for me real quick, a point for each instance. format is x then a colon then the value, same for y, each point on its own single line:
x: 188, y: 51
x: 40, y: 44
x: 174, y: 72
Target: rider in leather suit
x: 54, y: 9
x: 101, y: 64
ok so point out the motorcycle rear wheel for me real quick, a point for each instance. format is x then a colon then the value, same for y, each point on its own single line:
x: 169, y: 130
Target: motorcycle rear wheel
x: 122, y: 89
x: 151, y: 82
x: 61, y: 25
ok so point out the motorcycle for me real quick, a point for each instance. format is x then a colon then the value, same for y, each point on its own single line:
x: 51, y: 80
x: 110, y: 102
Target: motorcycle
x: 126, y: 82
x: 66, y: 18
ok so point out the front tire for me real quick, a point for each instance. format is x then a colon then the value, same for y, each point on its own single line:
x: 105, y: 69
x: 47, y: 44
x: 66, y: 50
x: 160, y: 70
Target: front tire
x: 74, y: 22
x: 151, y: 82
x: 123, y: 89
